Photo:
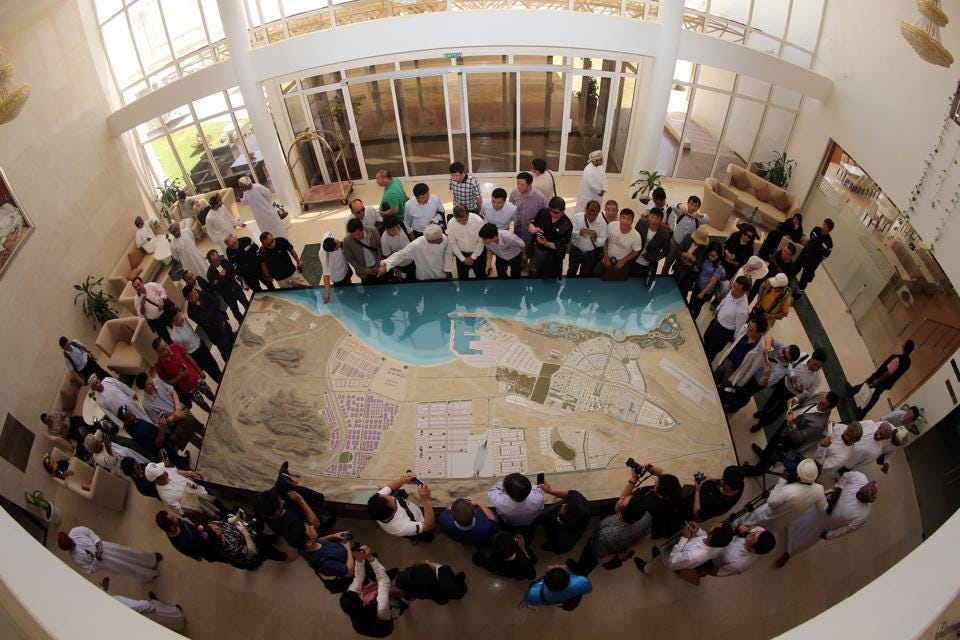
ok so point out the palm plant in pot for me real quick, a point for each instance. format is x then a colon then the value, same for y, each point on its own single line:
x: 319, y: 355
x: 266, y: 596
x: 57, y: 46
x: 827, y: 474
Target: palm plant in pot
x: 166, y: 196
x: 94, y: 302
x: 644, y: 185
x: 778, y: 170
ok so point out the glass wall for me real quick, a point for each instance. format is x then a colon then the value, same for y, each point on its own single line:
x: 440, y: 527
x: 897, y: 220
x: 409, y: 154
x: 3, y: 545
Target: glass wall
x: 492, y: 105
x: 785, y: 28
x: 722, y: 118
x: 205, y: 145
x: 423, y: 120
x: 541, y: 117
x: 494, y: 113
x: 151, y: 43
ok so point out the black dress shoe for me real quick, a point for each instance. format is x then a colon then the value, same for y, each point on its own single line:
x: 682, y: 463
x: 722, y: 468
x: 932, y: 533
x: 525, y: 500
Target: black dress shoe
x: 757, y: 414
x: 755, y: 428
x: 756, y: 449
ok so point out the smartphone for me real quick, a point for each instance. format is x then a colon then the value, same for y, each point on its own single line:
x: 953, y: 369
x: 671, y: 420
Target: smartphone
x: 541, y: 477
x: 346, y: 536
x: 416, y: 481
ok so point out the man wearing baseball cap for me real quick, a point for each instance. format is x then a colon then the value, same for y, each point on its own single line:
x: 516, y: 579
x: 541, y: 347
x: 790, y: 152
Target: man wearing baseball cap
x: 179, y: 490
x: 774, y: 299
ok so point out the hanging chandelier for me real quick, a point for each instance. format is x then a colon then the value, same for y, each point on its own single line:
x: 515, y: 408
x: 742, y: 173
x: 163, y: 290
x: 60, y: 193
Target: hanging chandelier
x: 924, y: 34
x: 11, y: 99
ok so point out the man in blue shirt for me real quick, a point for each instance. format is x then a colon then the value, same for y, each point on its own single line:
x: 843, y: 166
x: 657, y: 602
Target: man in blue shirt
x: 151, y: 437
x: 187, y: 537
x: 558, y: 586
x: 132, y: 469
x: 468, y: 522
x: 329, y: 556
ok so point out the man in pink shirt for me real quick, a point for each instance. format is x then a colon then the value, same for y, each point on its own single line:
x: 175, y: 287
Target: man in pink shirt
x: 529, y: 201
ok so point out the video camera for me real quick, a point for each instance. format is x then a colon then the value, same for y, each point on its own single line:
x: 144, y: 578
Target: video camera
x: 639, y: 468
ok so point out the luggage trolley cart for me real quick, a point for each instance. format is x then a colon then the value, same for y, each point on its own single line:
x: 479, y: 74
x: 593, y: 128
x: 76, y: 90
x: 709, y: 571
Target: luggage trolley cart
x: 321, y: 193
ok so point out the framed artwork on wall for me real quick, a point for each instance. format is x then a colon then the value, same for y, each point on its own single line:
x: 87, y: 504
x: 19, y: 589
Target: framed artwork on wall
x: 15, y: 226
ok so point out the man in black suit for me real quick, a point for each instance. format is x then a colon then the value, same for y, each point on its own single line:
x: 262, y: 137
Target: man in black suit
x: 804, y: 428
x: 655, y: 243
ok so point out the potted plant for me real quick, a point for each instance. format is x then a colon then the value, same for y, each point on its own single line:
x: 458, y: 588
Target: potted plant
x: 645, y: 183
x: 167, y: 195
x: 95, y: 302
x: 778, y: 170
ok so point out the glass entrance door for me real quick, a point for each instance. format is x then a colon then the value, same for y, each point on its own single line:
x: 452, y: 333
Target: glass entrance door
x: 329, y: 112
x: 493, y: 113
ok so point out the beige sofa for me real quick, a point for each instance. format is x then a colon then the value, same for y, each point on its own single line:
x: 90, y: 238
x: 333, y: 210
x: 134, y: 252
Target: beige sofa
x: 127, y: 344
x: 773, y: 205
x: 135, y: 262
x: 105, y: 489
x: 719, y: 201
x: 228, y: 196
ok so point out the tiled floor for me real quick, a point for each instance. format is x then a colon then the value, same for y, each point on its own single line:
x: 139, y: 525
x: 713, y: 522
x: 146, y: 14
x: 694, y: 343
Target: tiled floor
x: 287, y: 600
x: 885, y: 327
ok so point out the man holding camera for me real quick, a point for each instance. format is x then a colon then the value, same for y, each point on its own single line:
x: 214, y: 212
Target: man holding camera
x: 694, y: 548
x: 331, y: 557
x: 710, y: 498
x: 750, y: 543
x: 639, y: 511
x: 805, y: 426
x: 789, y: 498
x: 835, y: 449
x: 398, y: 517
x: 617, y: 535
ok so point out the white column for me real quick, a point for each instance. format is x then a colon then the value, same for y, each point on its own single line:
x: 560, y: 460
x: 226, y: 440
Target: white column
x: 660, y: 81
x: 235, y: 28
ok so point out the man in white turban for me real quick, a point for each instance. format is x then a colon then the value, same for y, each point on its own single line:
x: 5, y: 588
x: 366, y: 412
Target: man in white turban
x: 260, y: 201
x: 594, y: 183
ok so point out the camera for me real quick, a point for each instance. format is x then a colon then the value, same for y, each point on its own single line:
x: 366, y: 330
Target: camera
x: 346, y: 536
x: 698, y: 477
x: 416, y: 481
x: 636, y: 466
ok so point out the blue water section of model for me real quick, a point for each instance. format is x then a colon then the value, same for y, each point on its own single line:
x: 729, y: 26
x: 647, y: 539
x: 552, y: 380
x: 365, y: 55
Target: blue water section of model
x: 412, y: 322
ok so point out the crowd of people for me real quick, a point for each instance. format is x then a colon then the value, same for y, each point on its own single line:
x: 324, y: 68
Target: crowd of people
x: 824, y: 468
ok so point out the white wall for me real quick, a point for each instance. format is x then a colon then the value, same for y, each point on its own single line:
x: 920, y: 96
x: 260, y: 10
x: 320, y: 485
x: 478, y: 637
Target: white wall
x: 709, y: 107
x: 74, y: 181
x: 932, y: 396
x: 39, y: 590
x: 902, y: 602
x: 459, y: 31
x: 934, y: 217
x: 887, y: 105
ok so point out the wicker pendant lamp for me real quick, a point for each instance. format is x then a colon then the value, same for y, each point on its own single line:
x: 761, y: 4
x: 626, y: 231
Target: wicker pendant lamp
x: 924, y: 34
x: 11, y: 99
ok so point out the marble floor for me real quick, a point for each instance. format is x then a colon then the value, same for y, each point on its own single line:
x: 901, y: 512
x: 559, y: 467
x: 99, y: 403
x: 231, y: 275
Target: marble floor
x: 287, y: 600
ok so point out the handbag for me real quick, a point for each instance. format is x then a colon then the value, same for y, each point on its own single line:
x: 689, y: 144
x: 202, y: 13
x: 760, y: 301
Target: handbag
x: 167, y: 310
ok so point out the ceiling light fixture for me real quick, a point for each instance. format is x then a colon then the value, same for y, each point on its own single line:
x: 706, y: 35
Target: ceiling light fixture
x: 924, y: 34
